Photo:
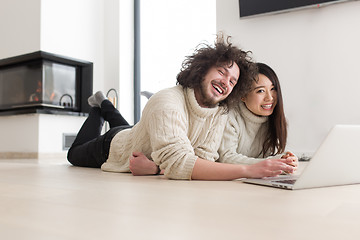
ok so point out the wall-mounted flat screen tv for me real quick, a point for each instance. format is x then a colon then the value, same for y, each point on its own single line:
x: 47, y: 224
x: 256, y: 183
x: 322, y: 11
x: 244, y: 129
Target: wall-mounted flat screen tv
x: 260, y: 7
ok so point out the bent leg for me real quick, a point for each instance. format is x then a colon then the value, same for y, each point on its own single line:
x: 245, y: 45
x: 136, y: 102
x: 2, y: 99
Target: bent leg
x: 91, y: 128
x: 112, y: 115
x: 89, y: 154
x: 89, y: 148
x: 86, y: 149
x: 95, y: 152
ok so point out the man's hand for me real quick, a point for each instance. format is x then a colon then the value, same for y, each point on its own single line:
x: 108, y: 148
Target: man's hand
x: 140, y: 165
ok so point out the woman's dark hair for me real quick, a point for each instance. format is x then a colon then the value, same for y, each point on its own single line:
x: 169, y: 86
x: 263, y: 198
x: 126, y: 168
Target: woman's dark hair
x: 195, y: 67
x: 276, y: 138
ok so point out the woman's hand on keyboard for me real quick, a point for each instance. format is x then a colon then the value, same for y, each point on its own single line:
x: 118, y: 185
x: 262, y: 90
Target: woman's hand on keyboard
x: 292, y: 159
x: 270, y: 168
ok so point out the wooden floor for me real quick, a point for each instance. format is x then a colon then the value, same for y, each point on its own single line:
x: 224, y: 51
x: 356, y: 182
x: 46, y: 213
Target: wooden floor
x: 50, y: 199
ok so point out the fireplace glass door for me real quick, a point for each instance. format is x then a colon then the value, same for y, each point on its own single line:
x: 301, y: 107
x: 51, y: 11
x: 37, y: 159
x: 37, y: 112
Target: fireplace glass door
x: 38, y: 83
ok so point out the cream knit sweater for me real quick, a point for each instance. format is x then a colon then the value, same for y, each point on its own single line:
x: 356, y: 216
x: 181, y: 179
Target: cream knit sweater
x: 173, y: 131
x: 243, y: 137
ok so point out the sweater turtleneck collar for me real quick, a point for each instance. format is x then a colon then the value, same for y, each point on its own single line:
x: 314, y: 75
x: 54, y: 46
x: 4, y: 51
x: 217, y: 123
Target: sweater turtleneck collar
x: 195, y: 107
x: 246, y: 113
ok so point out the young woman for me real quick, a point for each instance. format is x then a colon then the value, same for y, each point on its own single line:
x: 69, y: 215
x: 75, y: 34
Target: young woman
x: 256, y: 131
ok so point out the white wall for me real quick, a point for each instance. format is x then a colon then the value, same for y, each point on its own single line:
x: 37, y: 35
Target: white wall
x: 315, y: 53
x: 126, y: 59
x: 19, y: 26
x: 35, y: 135
x: 100, y: 31
x: 83, y: 29
x: 19, y: 133
x: 20, y: 34
x: 75, y: 29
x: 51, y: 129
x: 170, y: 30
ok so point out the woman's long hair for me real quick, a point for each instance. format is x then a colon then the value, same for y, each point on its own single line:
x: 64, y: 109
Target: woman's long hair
x: 276, y: 136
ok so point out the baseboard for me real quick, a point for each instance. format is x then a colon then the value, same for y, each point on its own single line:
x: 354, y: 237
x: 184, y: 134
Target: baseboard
x: 62, y: 155
x: 32, y: 155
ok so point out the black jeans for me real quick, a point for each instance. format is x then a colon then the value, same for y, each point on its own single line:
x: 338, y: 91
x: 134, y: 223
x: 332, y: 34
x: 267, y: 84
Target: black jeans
x: 90, y: 148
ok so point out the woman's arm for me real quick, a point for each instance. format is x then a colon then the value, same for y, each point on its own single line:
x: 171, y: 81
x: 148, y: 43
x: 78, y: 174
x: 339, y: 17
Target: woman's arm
x: 207, y: 170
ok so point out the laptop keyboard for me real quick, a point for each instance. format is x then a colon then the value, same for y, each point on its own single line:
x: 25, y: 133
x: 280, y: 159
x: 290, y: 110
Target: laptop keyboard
x: 288, y: 181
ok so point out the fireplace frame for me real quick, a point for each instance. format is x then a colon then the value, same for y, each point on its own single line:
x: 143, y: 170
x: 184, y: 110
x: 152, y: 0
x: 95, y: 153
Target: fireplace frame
x: 84, y: 83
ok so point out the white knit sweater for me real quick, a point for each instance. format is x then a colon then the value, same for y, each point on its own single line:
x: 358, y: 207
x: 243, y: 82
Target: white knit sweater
x: 243, y: 137
x: 173, y: 131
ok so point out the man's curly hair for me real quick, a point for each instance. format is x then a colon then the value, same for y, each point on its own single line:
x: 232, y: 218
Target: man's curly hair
x: 223, y: 53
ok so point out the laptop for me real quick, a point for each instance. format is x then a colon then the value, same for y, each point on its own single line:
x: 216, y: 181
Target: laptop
x: 336, y: 162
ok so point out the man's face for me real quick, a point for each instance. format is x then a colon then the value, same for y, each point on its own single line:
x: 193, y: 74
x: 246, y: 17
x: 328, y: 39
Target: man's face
x: 217, y: 85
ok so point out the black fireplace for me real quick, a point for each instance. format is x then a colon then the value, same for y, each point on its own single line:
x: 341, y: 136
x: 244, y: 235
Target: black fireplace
x: 41, y: 82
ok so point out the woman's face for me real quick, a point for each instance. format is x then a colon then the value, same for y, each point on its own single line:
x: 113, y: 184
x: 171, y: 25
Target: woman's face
x: 262, y: 98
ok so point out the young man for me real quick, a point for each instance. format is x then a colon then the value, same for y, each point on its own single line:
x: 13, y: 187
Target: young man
x: 180, y: 128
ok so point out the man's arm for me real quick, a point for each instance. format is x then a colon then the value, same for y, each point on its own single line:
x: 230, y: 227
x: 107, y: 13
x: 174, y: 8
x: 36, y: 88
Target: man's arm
x: 140, y: 165
x: 208, y: 170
